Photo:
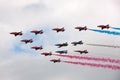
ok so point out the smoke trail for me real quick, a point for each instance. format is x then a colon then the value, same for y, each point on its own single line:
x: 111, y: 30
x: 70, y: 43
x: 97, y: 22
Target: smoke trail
x: 90, y: 58
x: 114, y: 67
x: 105, y: 31
x: 104, y: 45
x: 115, y: 28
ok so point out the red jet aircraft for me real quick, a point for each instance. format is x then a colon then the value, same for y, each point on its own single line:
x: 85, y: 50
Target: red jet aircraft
x: 59, y: 29
x: 17, y: 33
x: 46, y: 53
x: 104, y: 26
x: 37, y: 47
x: 37, y: 32
x: 55, y: 60
x: 81, y: 28
x: 27, y: 40
x: 84, y: 51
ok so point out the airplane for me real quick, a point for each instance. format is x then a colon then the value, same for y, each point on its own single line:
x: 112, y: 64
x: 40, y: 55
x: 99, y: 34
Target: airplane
x: 61, y: 45
x: 37, y: 32
x: 84, y: 51
x: 55, y: 60
x: 62, y: 52
x: 81, y: 28
x: 75, y: 43
x: 59, y: 29
x: 104, y: 26
x: 37, y: 47
x: 17, y: 33
x: 46, y: 53
x: 27, y: 40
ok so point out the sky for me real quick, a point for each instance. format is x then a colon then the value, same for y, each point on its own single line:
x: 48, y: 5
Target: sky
x: 19, y: 62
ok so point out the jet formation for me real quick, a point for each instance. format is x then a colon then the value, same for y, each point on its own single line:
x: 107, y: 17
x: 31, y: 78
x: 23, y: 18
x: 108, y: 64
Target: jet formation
x: 104, y: 26
x: 46, y: 53
x: 27, y: 41
x: 59, y: 29
x: 17, y: 33
x: 80, y: 28
x: 80, y: 51
x: 55, y: 60
x: 37, y: 32
x: 37, y: 47
x: 62, y: 52
x: 76, y: 43
x: 62, y: 45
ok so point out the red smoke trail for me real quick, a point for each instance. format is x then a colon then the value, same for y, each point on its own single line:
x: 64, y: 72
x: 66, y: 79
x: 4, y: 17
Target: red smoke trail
x: 114, y: 67
x: 90, y: 58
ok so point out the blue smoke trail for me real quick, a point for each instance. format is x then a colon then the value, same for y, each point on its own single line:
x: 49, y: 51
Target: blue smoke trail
x: 105, y: 31
x: 115, y: 28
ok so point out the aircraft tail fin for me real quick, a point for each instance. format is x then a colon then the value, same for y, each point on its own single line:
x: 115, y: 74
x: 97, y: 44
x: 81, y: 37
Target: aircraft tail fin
x: 63, y: 28
x: 41, y: 31
x: 66, y: 51
x: 59, y: 59
x: 20, y: 33
x: 74, y: 44
x: 108, y: 25
x: 50, y: 52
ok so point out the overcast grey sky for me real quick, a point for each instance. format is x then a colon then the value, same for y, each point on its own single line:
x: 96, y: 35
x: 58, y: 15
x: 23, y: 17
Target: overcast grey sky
x: 19, y: 62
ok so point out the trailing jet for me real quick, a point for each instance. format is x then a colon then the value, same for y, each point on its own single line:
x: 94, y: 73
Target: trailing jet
x: 55, y: 60
x: 27, y: 40
x: 104, y: 26
x: 61, y: 45
x: 37, y: 32
x: 84, y: 51
x: 62, y: 52
x: 81, y: 28
x: 37, y: 47
x: 75, y: 43
x: 46, y: 53
x: 59, y: 29
x: 17, y: 33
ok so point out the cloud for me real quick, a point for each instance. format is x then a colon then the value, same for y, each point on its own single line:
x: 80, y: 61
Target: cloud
x: 43, y: 14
